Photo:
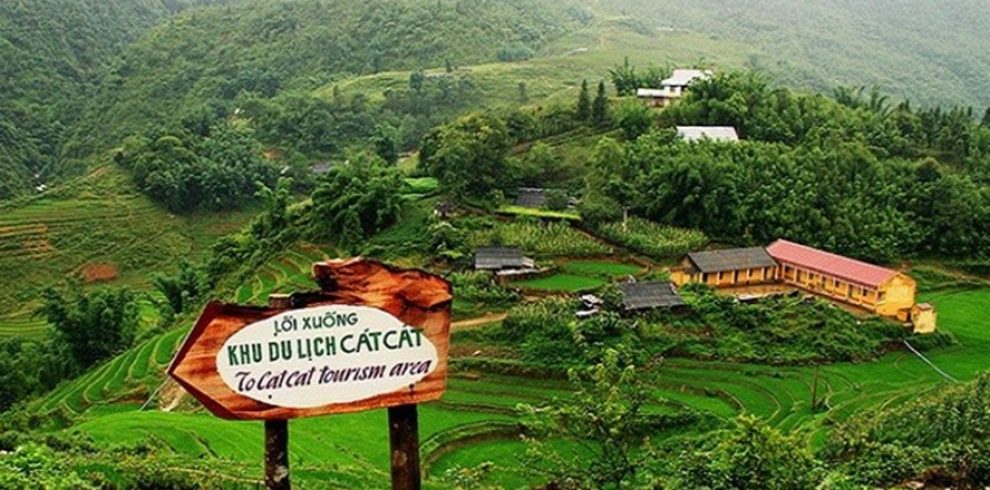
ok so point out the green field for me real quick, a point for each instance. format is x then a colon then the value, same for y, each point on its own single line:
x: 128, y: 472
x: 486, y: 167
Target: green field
x: 601, y: 268
x: 538, y: 213
x: 562, y: 282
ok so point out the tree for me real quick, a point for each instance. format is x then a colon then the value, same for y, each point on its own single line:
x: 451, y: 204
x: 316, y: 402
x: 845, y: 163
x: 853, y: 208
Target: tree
x: 386, y: 143
x: 188, y: 284
x: 416, y: 79
x: 599, y: 108
x: 607, y: 417
x: 468, y: 156
x: 751, y: 455
x: 986, y: 118
x: 356, y: 200
x: 521, y: 91
x: 634, y: 119
x: 95, y: 325
x: 583, y: 111
x: 624, y: 78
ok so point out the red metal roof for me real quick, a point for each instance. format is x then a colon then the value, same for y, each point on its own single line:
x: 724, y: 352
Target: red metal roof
x: 829, y: 264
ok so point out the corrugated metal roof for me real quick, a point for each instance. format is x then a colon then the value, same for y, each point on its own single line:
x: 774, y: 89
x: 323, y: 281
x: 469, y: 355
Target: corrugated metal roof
x: 647, y: 295
x: 492, y: 258
x: 683, y: 77
x: 830, y: 264
x: 731, y: 259
x: 530, y: 197
x: 714, y: 133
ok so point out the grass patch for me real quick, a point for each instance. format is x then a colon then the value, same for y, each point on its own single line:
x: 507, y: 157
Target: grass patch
x: 562, y: 282
x: 600, y: 268
x: 539, y: 213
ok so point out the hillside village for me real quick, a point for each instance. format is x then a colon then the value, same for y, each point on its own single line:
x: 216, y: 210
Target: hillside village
x: 627, y: 265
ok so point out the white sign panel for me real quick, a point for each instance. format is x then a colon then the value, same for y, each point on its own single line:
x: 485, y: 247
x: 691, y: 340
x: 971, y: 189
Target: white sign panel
x: 325, y: 355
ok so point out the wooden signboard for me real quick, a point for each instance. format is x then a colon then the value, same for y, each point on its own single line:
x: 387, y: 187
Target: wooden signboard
x: 373, y: 336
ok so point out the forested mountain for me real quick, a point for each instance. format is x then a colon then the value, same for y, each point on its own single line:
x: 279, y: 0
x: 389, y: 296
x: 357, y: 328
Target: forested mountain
x: 53, y: 53
x: 933, y: 53
x: 207, y: 58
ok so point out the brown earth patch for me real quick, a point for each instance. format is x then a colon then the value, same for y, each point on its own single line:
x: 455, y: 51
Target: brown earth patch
x: 99, y: 272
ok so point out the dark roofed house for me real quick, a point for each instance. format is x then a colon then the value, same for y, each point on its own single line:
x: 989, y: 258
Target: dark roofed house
x: 531, y: 197
x: 726, y: 268
x: 501, y: 258
x: 638, y: 296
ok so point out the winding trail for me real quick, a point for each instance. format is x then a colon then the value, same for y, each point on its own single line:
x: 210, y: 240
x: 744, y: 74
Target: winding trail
x: 479, y: 321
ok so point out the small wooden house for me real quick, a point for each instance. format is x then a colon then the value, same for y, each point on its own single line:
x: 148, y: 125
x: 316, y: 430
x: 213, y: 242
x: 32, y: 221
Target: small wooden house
x: 726, y: 268
x: 671, y: 88
x: 641, y: 296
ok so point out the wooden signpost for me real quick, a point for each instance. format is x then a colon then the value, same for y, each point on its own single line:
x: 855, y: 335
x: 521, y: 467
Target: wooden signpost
x: 373, y: 336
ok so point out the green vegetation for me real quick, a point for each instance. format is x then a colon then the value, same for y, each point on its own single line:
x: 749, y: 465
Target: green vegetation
x: 652, y: 239
x: 903, y: 182
x: 538, y: 213
x: 601, y: 268
x: 561, y: 282
x: 543, y: 239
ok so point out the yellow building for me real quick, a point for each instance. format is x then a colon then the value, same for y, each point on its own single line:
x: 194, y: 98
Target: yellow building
x: 726, y: 268
x: 883, y: 291
x: 880, y: 290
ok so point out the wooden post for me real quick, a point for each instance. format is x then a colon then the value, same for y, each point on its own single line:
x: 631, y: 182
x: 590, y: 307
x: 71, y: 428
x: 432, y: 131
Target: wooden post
x: 277, y: 455
x: 403, y: 429
x: 277, y: 432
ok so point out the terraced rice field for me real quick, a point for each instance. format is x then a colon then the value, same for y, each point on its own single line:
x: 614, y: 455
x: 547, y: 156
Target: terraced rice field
x: 289, y: 272
x: 335, y: 449
x: 99, y: 219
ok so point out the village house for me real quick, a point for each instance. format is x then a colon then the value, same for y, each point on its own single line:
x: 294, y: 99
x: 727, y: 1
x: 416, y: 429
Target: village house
x: 713, y: 133
x: 726, y: 268
x: 671, y: 88
x: 505, y: 262
x: 642, y: 296
x: 876, y: 289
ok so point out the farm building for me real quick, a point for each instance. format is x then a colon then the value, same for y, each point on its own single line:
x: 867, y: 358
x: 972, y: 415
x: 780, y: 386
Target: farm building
x: 726, y: 268
x: 671, y: 88
x: 713, y: 133
x: 640, y: 296
x: 530, y: 197
x: 507, y: 263
x: 874, y: 288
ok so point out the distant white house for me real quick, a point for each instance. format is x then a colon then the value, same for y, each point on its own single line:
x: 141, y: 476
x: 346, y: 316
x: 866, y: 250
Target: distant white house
x: 714, y: 133
x: 672, y: 88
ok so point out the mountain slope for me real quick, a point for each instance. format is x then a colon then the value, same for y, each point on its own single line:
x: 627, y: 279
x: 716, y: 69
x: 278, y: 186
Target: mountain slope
x: 930, y: 52
x: 211, y: 56
x: 53, y: 53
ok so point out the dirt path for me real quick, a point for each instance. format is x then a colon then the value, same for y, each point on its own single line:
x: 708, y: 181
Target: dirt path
x: 479, y: 321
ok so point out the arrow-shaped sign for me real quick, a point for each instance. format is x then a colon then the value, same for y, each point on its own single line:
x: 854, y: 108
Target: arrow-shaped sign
x: 374, y: 336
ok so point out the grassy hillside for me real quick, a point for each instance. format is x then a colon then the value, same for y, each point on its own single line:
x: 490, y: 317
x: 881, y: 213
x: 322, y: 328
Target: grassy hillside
x: 931, y: 53
x: 97, y: 229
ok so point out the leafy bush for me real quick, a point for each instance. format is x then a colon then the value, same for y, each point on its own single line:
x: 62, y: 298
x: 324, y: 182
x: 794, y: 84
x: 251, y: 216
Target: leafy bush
x: 781, y: 330
x: 479, y: 287
x: 653, y: 239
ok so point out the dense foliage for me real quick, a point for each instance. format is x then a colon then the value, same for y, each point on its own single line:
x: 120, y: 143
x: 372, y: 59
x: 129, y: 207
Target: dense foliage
x: 218, y: 170
x: 869, y: 181
x: 355, y: 201
x: 785, y: 330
